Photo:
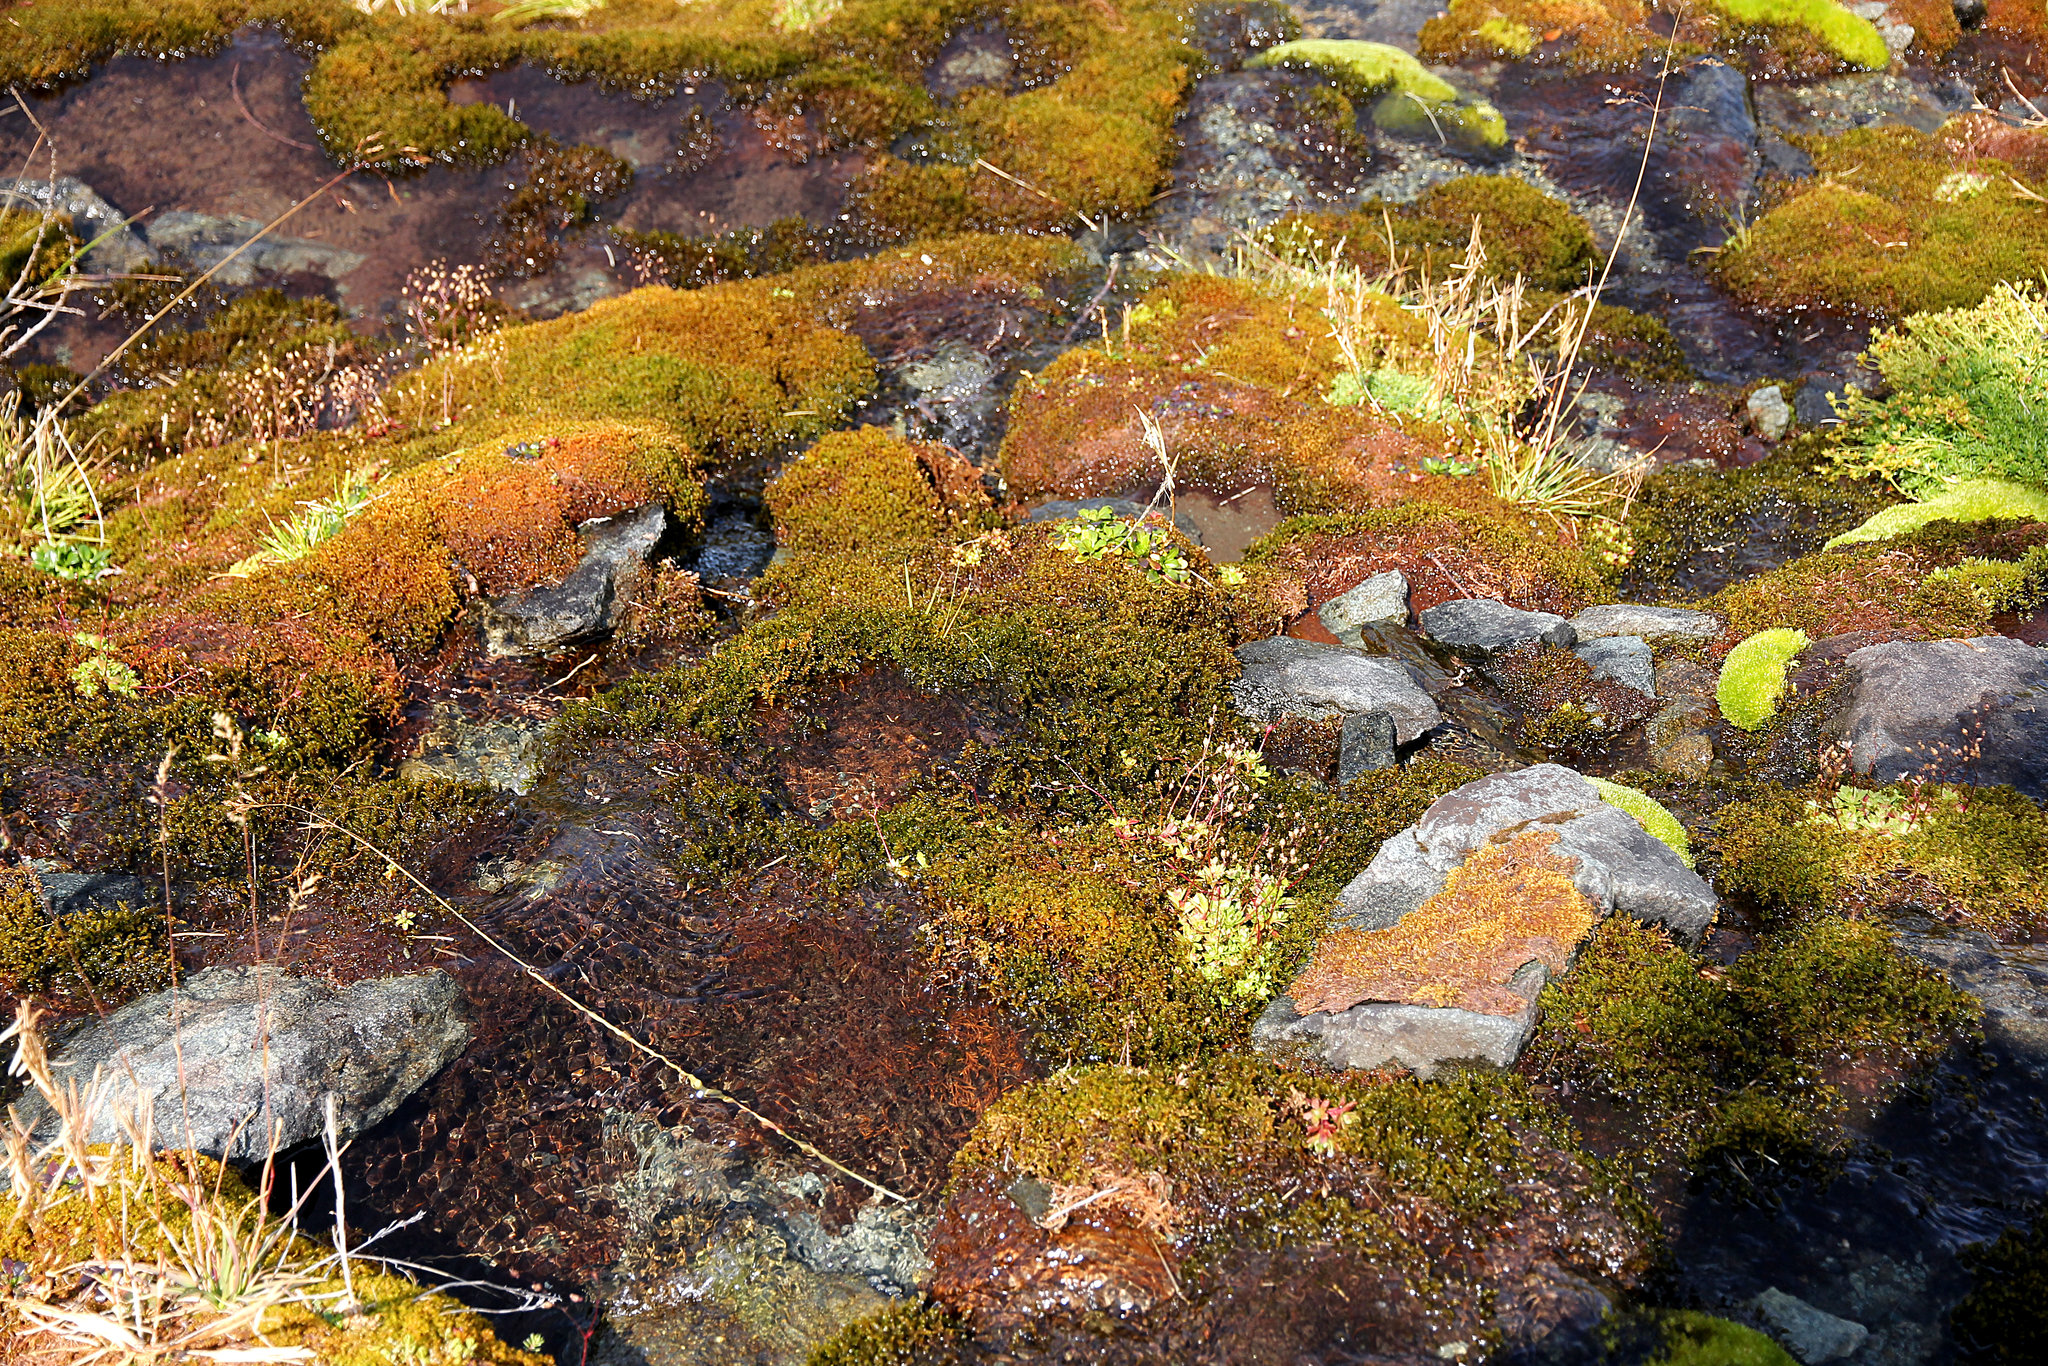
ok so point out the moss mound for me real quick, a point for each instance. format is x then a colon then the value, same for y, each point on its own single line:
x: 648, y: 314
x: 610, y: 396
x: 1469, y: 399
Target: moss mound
x: 868, y: 490
x: 1978, y: 500
x: 1897, y: 221
x: 1753, y: 676
x: 1413, y: 98
x: 1648, y: 813
x: 1524, y: 232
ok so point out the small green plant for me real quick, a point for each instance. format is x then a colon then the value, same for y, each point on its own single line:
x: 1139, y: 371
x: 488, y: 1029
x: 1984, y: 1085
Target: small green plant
x: 70, y: 559
x: 318, y: 522
x: 1888, y: 811
x: 1456, y: 468
x: 1098, y: 533
x: 1753, y: 676
x: 100, y: 672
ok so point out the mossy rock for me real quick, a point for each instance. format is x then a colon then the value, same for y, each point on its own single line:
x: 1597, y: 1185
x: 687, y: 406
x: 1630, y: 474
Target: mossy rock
x: 1523, y: 231
x: 1416, y: 99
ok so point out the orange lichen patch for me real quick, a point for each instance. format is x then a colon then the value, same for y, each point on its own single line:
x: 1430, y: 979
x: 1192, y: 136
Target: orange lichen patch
x: 1446, y: 552
x: 1511, y: 903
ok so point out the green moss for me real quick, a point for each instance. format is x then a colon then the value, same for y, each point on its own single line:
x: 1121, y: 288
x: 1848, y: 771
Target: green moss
x: 916, y: 1332
x: 1977, y: 855
x: 1978, y: 500
x: 1731, y: 1062
x: 1523, y: 231
x: 1648, y: 813
x: 1852, y: 38
x: 1753, y: 676
x: 1874, y: 230
x: 1691, y: 1338
x: 1416, y: 99
x: 858, y: 490
x: 2004, y: 1318
x: 104, y: 954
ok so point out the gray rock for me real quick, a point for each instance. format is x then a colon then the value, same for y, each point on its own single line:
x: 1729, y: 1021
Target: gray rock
x: 1484, y: 626
x: 1621, y: 867
x: 1284, y: 676
x: 1422, y: 1039
x: 1367, y: 744
x: 589, y: 601
x: 1624, y: 659
x: 1970, y: 13
x: 1814, y: 405
x: 1381, y: 598
x: 69, y: 893
x: 498, y: 754
x: 1651, y: 623
x: 1769, y: 413
x: 1973, y: 711
x: 117, y: 247
x: 1066, y: 509
x: 248, y: 1033
x: 955, y: 397
x: 204, y: 240
x: 1812, y: 1335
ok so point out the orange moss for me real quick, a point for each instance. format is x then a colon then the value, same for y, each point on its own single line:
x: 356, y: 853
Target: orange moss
x: 1512, y: 902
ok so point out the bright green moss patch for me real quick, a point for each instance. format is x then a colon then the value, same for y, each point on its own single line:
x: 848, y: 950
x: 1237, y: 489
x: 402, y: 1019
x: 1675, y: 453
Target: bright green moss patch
x: 1414, y: 99
x: 1883, y: 228
x: 1648, y: 813
x: 1965, y: 392
x: 1691, y: 1338
x: 1978, y: 500
x: 1852, y: 38
x: 1753, y: 676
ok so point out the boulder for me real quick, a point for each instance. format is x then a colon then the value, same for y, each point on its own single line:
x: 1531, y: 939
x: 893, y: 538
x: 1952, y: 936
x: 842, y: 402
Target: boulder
x: 1972, y: 711
x: 1484, y: 626
x: 251, y: 1035
x: 1650, y: 623
x: 1419, y: 1038
x: 1381, y: 598
x: 589, y: 601
x: 1624, y: 659
x: 1811, y: 1335
x: 1284, y: 676
x: 1621, y: 866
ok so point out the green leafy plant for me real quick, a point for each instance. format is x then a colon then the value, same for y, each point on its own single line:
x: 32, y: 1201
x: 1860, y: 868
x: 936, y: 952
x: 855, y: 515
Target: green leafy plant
x: 70, y: 559
x: 1888, y: 811
x: 1098, y: 533
x: 318, y: 522
x: 100, y: 672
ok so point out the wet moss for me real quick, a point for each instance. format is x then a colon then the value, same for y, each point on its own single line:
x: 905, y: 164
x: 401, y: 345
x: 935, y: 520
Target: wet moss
x: 683, y: 262
x: 915, y: 1332
x: 1968, y: 855
x: 2003, y: 1321
x: 102, y: 954
x: 1896, y: 222
x: 1524, y: 232
x: 1727, y: 1063
x: 558, y: 194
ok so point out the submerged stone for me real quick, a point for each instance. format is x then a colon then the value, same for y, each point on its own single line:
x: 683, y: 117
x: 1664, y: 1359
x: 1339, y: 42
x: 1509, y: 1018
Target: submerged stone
x: 499, y: 754
x: 1624, y: 659
x: 1812, y: 1335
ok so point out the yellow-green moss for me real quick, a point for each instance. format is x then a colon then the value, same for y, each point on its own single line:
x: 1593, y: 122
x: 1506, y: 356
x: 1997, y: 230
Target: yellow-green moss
x: 1753, y: 676
x: 1648, y: 813
x: 1413, y: 98
x: 1977, y: 500
x: 859, y: 490
x: 101, y: 953
x: 1523, y: 231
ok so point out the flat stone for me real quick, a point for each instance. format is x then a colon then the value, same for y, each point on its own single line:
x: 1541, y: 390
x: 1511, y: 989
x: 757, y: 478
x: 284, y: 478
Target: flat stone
x: 371, y: 1045
x: 1423, y: 1039
x: 1624, y: 659
x: 117, y: 247
x: 1972, y: 711
x: 1284, y: 676
x: 1650, y: 623
x: 589, y: 601
x: 1812, y: 1335
x: 1484, y: 626
x: 1381, y: 598
x: 1366, y: 744
x: 205, y: 240
x: 1621, y: 866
